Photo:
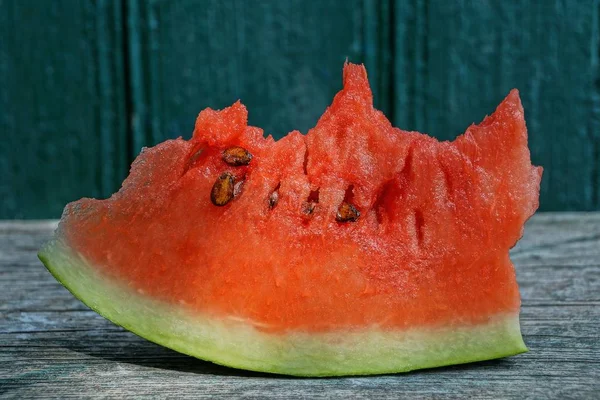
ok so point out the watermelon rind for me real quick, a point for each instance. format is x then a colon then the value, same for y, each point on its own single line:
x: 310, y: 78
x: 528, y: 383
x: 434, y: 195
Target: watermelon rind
x: 239, y: 343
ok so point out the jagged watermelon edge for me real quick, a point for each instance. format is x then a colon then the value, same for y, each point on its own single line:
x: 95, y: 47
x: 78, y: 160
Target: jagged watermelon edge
x: 237, y: 343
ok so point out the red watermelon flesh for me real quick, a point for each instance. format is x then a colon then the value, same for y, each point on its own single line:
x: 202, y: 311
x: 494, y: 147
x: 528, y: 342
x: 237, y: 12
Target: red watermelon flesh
x: 356, y: 227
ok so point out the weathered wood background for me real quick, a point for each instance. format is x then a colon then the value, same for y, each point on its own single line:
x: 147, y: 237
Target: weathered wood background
x: 52, y: 346
x: 85, y: 84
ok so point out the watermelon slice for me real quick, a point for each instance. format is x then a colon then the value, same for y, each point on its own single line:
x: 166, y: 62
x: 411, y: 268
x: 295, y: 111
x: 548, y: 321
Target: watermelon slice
x: 356, y: 249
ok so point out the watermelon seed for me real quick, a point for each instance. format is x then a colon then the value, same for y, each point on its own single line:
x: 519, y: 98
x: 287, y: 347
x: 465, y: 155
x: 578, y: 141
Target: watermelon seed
x: 223, y: 189
x: 237, y: 156
x: 237, y: 188
x: 347, y: 213
x: 309, y: 205
x: 239, y: 184
x: 274, y: 197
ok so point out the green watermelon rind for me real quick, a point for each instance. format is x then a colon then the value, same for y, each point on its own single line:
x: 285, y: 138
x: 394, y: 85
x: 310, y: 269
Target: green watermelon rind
x: 238, y: 343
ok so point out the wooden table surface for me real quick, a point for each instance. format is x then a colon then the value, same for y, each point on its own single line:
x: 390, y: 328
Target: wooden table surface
x: 51, y: 345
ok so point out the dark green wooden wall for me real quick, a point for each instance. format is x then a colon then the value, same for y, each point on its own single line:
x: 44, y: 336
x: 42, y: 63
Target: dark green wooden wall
x: 85, y: 84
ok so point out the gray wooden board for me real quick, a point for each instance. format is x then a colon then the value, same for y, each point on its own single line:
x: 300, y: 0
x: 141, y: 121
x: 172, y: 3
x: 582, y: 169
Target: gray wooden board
x: 51, y: 345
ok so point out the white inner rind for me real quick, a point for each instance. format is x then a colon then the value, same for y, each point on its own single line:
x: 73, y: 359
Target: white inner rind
x: 235, y: 343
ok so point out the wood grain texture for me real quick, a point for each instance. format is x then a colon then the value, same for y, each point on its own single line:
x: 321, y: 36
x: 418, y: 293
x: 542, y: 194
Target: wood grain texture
x: 283, y: 59
x: 52, y: 346
x: 62, y: 118
x: 454, y: 61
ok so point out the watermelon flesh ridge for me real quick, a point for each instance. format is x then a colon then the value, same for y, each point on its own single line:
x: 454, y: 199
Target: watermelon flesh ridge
x: 428, y: 257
